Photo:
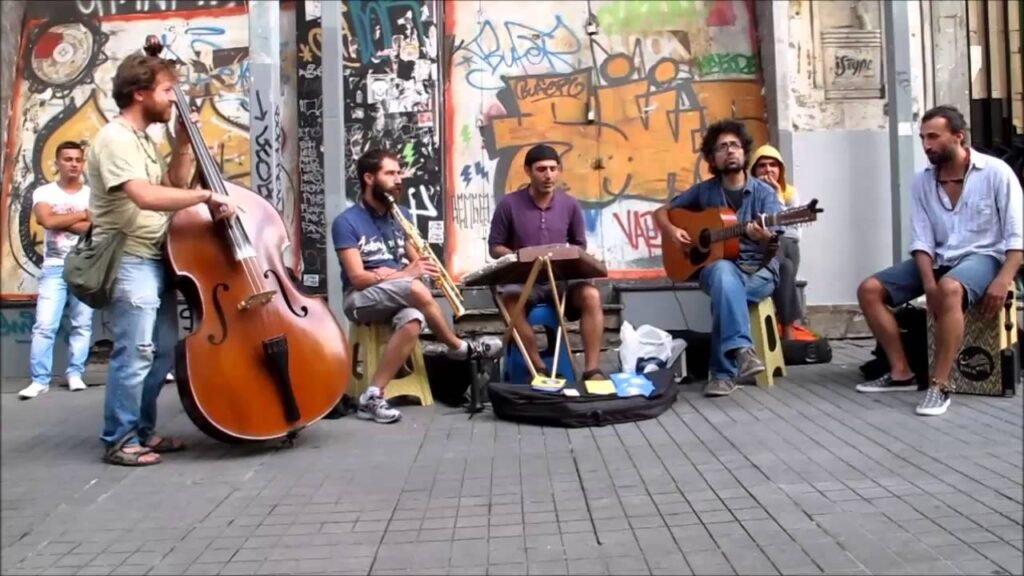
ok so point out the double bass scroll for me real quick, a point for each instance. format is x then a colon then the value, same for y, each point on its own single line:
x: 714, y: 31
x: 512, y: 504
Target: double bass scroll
x: 264, y: 359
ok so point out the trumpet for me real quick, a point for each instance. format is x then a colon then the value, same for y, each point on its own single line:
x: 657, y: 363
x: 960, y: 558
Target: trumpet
x: 444, y: 280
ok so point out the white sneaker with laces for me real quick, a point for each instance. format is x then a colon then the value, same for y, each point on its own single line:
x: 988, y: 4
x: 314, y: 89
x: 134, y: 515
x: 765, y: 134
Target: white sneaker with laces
x: 75, y: 383
x: 377, y: 409
x: 34, y: 389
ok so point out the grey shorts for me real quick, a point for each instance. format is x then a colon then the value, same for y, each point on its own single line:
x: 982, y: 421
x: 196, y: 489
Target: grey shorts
x: 542, y: 293
x: 974, y: 272
x: 390, y: 300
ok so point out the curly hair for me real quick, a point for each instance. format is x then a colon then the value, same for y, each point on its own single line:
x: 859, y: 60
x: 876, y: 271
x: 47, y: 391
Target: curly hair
x: 138, y: 72
x: 716, y: 130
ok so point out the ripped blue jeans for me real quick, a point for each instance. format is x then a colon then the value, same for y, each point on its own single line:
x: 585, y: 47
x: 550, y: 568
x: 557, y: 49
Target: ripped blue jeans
x: 144, y: 322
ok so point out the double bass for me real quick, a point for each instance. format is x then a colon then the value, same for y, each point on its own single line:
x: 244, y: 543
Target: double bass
x: 264, y: 360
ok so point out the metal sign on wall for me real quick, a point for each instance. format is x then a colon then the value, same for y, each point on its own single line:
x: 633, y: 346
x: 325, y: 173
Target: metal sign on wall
x: 848, y: 37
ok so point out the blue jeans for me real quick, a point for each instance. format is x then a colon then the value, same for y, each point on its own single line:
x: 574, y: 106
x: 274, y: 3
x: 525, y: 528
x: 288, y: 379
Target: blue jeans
x: 53, y: 295
x: 974, y: 272
x: 731, y: 291
x: 144, y: 323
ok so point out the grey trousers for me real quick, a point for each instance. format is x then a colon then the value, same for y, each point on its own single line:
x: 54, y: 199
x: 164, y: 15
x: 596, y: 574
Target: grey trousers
x: 786, y: 298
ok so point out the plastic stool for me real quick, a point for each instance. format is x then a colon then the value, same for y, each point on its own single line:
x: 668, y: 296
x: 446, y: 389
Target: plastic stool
x: 767, y: 341
x: 367, y: 340
x: 516, y: 371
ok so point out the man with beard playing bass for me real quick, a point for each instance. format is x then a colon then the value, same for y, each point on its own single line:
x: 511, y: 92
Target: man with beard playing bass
x: 135, y: 191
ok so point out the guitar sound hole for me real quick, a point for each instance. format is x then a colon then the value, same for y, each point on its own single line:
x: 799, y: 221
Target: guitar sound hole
x: 704, y: 239
x: 698, y: 256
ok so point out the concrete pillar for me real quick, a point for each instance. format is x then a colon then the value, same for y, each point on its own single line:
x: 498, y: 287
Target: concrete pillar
x: 265, y: 101
x: 335, y: 199
x: 899, y: 106
x: 773, y: 31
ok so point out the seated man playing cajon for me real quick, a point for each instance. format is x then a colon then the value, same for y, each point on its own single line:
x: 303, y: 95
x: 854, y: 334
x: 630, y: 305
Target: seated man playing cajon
x: 535, y: 215
x: 966, y: 244
x: 378, y: 288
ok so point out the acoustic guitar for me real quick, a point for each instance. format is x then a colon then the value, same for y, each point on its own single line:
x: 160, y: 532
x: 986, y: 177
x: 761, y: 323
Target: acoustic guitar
x: 716, y: 232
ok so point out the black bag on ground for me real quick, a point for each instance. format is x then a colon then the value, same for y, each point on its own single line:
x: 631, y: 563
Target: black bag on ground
x: 698, y: 353
x: 521, y: 403
x: 798, y: 352
x: 913, y: 323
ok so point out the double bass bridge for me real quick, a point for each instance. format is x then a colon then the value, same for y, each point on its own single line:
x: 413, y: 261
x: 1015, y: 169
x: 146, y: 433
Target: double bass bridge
x: 259, y: 298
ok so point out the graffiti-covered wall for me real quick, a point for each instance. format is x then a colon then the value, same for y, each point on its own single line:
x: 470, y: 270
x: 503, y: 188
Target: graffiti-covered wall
x: 70, y: 50
x: 390, y: 53
x: 624, y: 101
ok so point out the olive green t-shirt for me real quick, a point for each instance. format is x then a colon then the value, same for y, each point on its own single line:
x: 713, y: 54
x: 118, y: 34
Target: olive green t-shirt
x: 117, y: 154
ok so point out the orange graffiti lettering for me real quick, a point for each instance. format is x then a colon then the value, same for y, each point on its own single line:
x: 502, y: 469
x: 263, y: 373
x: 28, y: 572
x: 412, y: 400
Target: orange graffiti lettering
x: 643, y: 134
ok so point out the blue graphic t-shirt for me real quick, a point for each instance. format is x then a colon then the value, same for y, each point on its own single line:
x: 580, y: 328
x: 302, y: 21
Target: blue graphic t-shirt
x: 380, y: 240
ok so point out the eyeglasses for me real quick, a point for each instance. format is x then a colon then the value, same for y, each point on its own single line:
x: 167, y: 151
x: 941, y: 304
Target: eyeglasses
x: 730, y: 145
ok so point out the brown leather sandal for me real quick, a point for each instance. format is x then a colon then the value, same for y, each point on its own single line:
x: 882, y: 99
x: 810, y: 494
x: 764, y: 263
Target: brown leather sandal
x: 116, y: 455
x: 165, y: 445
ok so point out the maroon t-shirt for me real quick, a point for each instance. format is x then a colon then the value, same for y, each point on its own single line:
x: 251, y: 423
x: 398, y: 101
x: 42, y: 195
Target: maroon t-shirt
x: 518, y: 222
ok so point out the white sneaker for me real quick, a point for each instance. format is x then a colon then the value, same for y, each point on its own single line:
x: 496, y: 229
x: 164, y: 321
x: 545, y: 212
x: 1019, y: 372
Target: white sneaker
x: 75, y: 383
x: 377, y: 409
x: 34, y: 389
x: 169, y: 377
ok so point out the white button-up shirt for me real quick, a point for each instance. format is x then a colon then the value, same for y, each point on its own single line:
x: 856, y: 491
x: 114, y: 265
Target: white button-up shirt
x: 987, y: 218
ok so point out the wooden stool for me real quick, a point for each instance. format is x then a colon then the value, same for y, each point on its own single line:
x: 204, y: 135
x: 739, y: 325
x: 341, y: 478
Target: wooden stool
x: 367, y: 340
x: 978, y: 367
x: 767, y: 341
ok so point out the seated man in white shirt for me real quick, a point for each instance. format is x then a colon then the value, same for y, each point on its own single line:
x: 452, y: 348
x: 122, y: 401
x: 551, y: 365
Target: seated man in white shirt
x: 966, y: 215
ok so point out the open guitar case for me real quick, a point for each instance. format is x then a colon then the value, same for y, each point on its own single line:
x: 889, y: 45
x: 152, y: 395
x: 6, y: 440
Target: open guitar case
x: 521, y: 403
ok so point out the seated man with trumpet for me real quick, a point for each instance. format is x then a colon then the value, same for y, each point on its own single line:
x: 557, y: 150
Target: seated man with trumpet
x: 537, y: 214
x: 382, y: 272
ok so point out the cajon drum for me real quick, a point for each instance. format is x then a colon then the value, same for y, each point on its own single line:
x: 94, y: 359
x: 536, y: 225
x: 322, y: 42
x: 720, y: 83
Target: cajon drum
x: 987, y: 364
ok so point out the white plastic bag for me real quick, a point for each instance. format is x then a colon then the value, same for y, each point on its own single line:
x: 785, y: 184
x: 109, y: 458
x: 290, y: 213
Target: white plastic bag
x: 647, y: 346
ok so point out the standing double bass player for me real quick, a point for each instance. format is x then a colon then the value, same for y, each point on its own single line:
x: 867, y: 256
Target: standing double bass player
x: 136, y: 191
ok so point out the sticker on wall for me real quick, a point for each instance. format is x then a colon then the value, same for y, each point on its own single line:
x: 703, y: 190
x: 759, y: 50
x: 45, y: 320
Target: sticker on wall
x: 435, y: 233
x: 64, y: 55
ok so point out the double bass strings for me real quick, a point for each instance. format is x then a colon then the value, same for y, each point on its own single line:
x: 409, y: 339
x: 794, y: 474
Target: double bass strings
x: 209, y: 167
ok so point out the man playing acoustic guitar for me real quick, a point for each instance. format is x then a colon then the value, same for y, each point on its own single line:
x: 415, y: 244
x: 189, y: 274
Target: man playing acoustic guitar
x: 731, y: 285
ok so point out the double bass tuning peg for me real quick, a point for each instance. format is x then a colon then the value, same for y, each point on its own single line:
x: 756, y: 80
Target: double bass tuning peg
x: 153, y: 45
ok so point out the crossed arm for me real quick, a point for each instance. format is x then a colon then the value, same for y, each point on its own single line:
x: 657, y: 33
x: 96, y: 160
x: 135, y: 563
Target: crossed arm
x: 76, y: 222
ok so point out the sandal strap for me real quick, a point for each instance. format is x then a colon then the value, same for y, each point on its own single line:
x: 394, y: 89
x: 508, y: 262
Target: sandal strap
x: 130, y: 435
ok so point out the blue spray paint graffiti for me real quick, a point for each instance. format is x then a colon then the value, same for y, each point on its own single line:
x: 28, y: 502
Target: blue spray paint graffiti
x: 17, y: 325
x: 372, y: 23
x: 591, y: 218
x: 229, y: 74
x: 521, y: 46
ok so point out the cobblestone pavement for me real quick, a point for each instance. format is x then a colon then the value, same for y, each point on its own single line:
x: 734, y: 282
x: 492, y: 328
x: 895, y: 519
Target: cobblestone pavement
x: 808, y: 477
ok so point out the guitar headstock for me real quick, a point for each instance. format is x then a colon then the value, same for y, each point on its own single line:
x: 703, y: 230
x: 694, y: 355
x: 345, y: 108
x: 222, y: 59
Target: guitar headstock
x: 799, y: 215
